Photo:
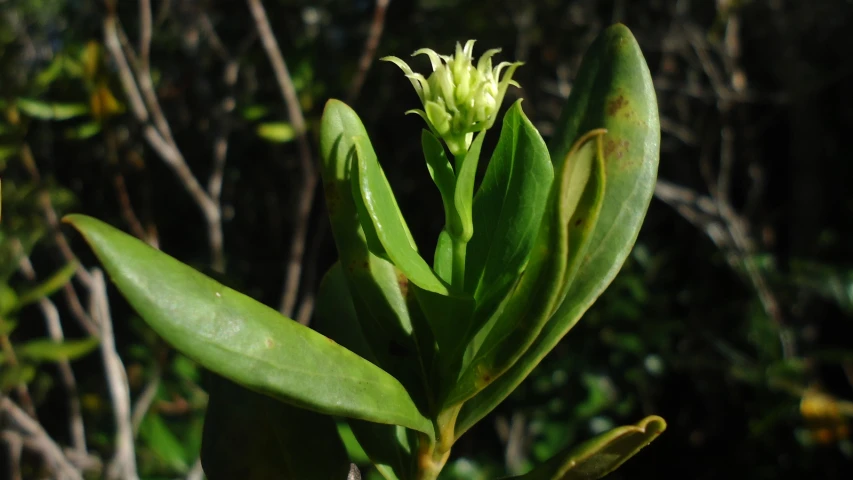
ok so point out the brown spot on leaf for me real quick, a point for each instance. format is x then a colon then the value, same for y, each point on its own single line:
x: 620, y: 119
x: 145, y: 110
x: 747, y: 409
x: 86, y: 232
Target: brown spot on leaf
x: 270, y: 343
x: 403, y: 283
x: 613, y: 106
x: 578, y: 222
x: 615, y: 147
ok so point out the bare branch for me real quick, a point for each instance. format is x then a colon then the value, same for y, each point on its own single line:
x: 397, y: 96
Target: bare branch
x: 16, y: 446
x: 123, y: 464
x: 377, y: 25
x: 41, y: 440
x: 140, y: 91
x: 54, y: 328
x: 144, y: 401
x: 309, y: 175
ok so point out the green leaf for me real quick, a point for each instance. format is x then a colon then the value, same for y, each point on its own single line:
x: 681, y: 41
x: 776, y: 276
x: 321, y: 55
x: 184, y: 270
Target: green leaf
x: 379, y: 290
x: 597, y: 457
x: 508, y: 335
x: 462, y: 226
x: 243, y: 340
x: 276, y: 132
x: 7, y: 326
x: 388, y: 220
x: 48, y: 287
x: 443, y: 261
x: 163, y: 443
x: 84, y: 131
x: 508, y: 208
x: 51, y: 111
x: 47, y: 350
x: 253, y: 437
x: 389, y: 448
x: 335, y: 315
x: 12, y: 376
x: 442, y: 174
x: 614, y: 91
x: 355, y: 453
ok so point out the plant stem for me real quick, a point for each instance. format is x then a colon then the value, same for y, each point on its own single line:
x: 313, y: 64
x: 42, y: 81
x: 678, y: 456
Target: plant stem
x: 433, y: 456
x: 458, y: 275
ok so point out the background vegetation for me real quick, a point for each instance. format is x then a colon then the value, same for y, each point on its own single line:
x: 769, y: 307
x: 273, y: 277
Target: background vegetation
x: 174, y: 120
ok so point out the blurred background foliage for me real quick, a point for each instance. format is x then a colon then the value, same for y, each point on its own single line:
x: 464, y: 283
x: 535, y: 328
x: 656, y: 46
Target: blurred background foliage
x: 733, y: 318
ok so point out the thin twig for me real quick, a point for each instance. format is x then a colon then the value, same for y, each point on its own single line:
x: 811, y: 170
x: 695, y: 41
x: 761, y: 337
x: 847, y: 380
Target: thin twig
x: 309, y: 175
x: 144, y: 401
x: 123, y: 464
x: 54, y: 329
x: 144, y: 105
x: 374, y: 34
x: 41, y: 440
x: 16, y: 447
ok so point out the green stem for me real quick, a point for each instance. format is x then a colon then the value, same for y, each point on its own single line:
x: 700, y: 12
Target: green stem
x: 433, y: 456
x: 458, y: 275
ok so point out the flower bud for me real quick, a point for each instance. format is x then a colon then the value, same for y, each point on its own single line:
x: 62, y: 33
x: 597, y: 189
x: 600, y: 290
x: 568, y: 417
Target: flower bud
x: 459, y: 99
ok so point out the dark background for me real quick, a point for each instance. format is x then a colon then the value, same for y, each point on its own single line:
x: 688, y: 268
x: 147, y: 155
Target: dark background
x: 731, y: 316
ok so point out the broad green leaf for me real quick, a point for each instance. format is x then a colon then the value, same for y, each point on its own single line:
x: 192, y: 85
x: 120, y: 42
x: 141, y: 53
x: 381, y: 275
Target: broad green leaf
x: 157, y: 436
x: 378, y: 289
x: 463, y: 194
x: 536, y: 295
x: 442, y: 174
x: 246, y: 341
x: 276, y: 132
x: 614, y: 91
x: 335, y: 316
x: 388, y: 220
x: 599, y: 456
x: 254, y: 437
x: 47, y: 350
x: 508, y: 208
x: 49, y: 286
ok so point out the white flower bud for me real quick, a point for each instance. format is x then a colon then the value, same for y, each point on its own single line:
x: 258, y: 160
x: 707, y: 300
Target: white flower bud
x: 459, y: 99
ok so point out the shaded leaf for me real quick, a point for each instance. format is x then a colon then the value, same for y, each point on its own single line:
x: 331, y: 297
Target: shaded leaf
x: 601, y: 455
x: 508, y: 208
x: 163, y: 443
x: 508, y: 335
x: 243, y: 340
x: 384, y: 445
x: 253, y: 437
x: 378, y: 289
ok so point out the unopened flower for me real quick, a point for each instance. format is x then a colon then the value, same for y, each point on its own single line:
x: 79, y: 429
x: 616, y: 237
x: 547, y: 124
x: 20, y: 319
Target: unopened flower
x: 459, y: 99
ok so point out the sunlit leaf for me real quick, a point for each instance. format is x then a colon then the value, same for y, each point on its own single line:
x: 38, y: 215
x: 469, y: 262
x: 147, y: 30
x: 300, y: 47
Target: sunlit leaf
x: 243, y: 340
